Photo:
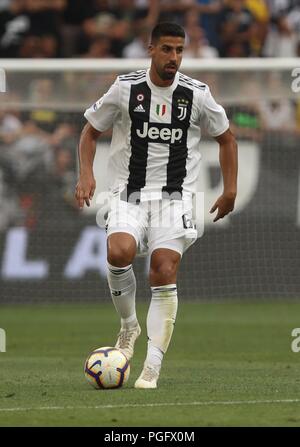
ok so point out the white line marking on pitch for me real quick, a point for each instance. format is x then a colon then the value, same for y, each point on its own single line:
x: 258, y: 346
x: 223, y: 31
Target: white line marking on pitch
x: 162, y: 404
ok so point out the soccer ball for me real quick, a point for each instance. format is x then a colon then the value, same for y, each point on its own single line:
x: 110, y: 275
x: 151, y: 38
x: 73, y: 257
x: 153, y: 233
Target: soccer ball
x: 107, y: 368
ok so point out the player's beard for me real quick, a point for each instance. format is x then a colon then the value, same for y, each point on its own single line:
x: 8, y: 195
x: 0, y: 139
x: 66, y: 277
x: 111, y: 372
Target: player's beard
x: 165, y: 75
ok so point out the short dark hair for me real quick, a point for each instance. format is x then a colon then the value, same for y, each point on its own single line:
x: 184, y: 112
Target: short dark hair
x: 167, y: 29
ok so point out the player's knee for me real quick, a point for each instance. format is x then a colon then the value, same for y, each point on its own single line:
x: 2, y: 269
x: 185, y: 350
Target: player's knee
x: 163, y: 273
x: 121, y: 250
x: 120, y: 256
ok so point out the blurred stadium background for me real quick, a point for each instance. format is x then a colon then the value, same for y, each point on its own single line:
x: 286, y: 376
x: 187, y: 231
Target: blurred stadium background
x: 60, y: 56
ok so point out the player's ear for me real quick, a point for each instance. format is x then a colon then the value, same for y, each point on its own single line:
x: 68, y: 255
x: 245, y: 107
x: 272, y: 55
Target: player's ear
x: 150, y: 49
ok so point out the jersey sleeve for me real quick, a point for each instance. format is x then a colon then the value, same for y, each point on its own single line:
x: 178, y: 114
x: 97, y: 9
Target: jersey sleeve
x: 103, y: 113
x: 213, y: 116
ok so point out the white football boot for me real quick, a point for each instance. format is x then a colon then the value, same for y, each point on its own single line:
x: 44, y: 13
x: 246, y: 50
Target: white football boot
x: 126, y: 340
x: 148, y: 378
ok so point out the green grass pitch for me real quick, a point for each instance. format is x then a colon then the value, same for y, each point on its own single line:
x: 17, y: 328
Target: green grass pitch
x: 229, y: 364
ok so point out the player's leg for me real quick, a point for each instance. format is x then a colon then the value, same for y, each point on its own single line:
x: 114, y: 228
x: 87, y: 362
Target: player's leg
x: 162, y: 311
x: 170, y: 235
x: 121, y: 250
x: 125, y: 230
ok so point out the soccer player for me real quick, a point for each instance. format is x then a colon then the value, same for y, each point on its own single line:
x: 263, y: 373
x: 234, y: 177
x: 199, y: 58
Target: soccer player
x: 156, y: 116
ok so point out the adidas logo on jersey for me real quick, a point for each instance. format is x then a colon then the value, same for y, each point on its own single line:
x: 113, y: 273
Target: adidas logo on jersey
x: 139, y: 108
x: 164, y: 134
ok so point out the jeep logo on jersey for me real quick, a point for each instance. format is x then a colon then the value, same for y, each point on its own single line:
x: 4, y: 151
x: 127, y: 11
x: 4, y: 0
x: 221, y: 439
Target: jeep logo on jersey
x: 163, y: 134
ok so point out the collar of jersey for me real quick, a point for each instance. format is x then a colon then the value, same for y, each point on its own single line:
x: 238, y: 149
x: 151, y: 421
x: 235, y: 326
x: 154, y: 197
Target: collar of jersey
x: 154, y: 87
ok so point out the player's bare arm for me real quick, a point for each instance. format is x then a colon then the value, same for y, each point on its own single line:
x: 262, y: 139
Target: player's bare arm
x: 86, y: 184
x: 229, y: 166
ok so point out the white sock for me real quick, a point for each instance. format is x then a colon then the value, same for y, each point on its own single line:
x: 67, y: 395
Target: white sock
x: 160, y: 322
x: 154, y: 356
x: 122, y: 284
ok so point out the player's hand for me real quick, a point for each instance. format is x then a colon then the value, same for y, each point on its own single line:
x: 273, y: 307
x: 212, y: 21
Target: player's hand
x: 224, y: 205
x: 85, y: 189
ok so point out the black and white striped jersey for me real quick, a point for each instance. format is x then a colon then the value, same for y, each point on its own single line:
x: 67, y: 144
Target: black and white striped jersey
x: 156, y: 132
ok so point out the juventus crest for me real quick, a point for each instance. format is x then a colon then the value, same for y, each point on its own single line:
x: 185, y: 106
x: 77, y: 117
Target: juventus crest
x: 182, y: 107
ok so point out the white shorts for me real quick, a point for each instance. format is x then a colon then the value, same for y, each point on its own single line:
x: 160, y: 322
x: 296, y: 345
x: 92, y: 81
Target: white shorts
x: 154, y: 224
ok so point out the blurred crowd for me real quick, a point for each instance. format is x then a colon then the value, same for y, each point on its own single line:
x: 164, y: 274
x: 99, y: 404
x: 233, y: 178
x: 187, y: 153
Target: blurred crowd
x: 120, y: 28
x: 37, y: 166
x: 38, y: 157
x: 40, y: 127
